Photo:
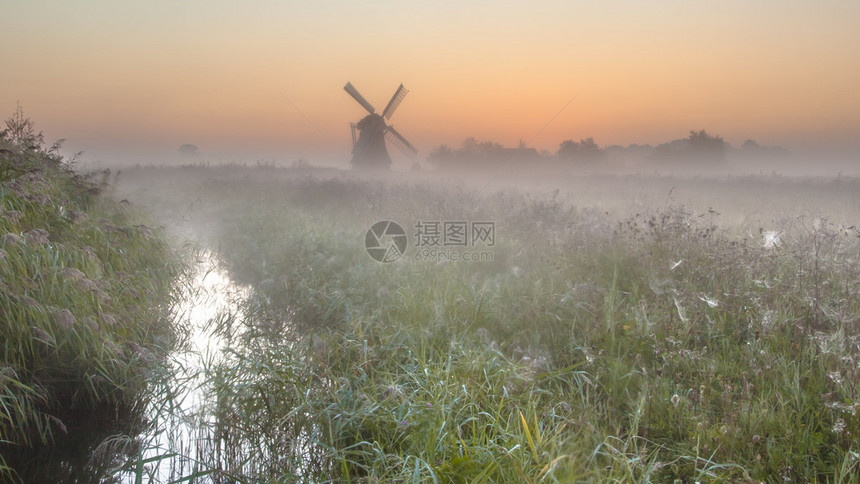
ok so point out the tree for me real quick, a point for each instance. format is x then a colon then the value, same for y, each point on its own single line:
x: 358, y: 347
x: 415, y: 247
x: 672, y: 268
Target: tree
x: 750, y: 145
x: 702, y: 145
x: 484, y: 151
x: 442, y: 157
x: 475, y: 155
x: 189, y: 150
x: 584, y: 151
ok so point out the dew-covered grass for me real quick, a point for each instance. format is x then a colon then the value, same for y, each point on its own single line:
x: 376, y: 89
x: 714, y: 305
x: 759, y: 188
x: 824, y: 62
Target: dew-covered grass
x: 667, y: 331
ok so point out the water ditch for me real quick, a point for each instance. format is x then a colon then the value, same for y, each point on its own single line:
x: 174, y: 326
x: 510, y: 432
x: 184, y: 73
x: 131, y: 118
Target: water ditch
x: 182, y: 431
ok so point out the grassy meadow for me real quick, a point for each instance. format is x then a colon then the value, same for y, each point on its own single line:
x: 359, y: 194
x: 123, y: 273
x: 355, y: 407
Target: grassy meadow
x: 627, y: 329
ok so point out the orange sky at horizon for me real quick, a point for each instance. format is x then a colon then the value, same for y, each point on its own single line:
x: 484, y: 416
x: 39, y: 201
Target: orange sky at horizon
x: 155, y: 75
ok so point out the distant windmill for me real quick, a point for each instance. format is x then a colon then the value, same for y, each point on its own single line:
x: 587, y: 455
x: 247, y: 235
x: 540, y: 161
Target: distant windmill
x: 368, y: 148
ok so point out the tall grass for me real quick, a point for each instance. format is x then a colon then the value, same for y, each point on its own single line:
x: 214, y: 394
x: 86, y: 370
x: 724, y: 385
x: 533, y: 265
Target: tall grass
x: 84, y: 293
x: 651, y: 343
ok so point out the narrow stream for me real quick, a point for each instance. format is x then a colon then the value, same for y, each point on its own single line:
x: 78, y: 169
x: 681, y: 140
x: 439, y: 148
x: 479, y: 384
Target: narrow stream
x: 177, y: 447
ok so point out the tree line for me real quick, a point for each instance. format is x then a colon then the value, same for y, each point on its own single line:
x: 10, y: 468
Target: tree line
x: 699, y: 147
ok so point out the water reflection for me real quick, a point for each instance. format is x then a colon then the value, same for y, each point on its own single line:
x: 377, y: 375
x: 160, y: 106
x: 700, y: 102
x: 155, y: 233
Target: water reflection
x: 182, y: 424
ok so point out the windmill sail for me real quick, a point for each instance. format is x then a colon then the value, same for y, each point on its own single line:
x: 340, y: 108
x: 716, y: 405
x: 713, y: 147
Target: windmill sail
x: 396, y: 99
x: 400, y: 142
x: 358, y: 97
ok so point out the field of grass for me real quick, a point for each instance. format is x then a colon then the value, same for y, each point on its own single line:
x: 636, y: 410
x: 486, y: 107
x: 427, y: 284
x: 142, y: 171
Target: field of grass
x: 627, y: 329
x: 85, y: 297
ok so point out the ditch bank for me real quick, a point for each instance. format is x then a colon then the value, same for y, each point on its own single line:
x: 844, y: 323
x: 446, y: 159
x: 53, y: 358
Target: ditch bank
x: 86, y: 293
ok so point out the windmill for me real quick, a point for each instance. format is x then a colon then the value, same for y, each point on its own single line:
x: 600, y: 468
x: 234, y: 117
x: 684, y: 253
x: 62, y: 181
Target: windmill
x: 368, y: 148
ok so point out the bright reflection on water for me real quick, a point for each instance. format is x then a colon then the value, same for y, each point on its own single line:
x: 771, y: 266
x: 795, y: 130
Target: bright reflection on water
x: 183, y: 427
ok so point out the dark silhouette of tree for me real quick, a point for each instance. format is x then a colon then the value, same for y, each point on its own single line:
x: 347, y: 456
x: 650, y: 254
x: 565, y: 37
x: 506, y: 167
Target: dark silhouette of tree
x: 751, y: 150
x: 475, y: 155
x: 698, y: 147
x: 442, y: 157
x: 484, y: 151
x: 750, y: 145
x: 704, y: 146
x: 585, y: 151
x: 189, y: 150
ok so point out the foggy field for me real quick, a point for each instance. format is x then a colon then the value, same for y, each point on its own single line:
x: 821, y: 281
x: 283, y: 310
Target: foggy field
x: 622, y: 328
x: 430, y: 242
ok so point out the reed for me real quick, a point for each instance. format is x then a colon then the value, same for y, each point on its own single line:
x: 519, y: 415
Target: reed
x: 85, y: 292
x: 651, y: 343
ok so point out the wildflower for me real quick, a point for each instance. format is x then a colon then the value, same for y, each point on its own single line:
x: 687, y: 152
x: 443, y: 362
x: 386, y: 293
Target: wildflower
x: 756, y: 438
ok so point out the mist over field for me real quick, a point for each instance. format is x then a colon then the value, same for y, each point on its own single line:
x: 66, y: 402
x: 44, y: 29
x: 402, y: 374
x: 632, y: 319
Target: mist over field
x: 430, y: 242
x: 585, y: 156
x: 629, y: 327
x: 687, y: 310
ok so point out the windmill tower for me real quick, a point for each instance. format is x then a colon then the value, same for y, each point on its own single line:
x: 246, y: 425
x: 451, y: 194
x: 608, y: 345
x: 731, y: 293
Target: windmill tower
x: 368, y: 144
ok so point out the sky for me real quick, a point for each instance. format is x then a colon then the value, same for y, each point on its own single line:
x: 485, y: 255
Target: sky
x: 256, y: 79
